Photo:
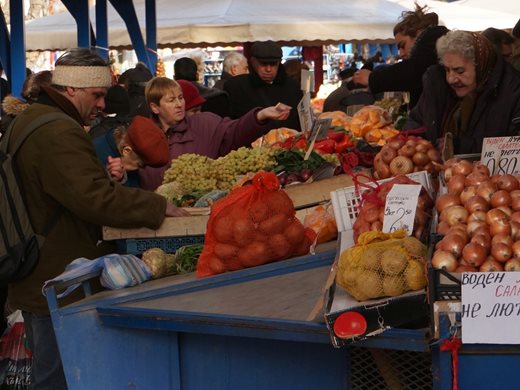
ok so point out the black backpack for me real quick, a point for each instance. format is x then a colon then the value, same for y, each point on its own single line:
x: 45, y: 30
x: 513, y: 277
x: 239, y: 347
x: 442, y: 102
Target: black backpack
x: 19, y: 244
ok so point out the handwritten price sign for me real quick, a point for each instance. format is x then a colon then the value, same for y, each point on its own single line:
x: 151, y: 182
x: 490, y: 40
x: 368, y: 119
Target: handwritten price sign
x: 401, y: 203
x: 501, y: 155
x: 490, y: 307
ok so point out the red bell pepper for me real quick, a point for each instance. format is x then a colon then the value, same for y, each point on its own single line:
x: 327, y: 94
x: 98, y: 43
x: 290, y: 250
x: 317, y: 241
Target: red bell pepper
x: 337, y: 136
x: 343, y: 145
x: 300, y: 144
x: 325, y: 146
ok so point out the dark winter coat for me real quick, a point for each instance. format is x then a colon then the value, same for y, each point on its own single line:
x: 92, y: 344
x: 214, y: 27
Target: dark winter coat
x: 497, y: 106
x: 217, y: 100
x: 247, y: 91
x: 61, y: 175
x: 407, y: 75
x: 224, y: 77
x: 206, y: 134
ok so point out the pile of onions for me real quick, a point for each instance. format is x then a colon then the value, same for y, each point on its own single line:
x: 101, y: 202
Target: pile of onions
x: 403, y: 155
x: 371, y: 212
x: 479, y: 217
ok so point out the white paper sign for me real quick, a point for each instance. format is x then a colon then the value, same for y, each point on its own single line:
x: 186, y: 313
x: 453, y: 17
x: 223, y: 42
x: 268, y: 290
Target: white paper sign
x: 501, y: 155
x: 491, y: 307
x: 305, y: 113
x: 307, y: 81
x: 400, y: 206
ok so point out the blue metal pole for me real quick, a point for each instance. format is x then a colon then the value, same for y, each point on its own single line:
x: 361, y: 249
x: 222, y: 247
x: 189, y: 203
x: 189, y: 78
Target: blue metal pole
x: 151, y: 33
x: 101, y: 29
x: 80, y: 12
x: 16, y: 74
x: 127, y: 12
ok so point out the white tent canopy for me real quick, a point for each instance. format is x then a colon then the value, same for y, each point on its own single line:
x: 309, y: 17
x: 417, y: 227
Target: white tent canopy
x: 212, y: 22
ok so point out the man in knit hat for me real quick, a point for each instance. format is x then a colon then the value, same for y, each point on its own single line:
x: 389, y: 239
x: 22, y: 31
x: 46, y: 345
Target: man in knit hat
x: 69, y: 197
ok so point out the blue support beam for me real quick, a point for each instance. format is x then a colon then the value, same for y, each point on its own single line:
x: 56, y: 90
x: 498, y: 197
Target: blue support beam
x: 128, y: 14
x: 16, y: 69
x: 151, y: 32
x: 101, y: 29
x: 80, y: 11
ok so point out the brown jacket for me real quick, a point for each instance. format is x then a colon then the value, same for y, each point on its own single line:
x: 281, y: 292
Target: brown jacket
x: 59, y: 170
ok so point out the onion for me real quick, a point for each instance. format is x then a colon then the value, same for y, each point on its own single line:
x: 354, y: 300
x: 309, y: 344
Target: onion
x: 406, y: 151
x: 473, y: 226
x: 491, y: 265
x: 476, y: 179
x: 459, y: 230
x: 422, y: 147
x: 453, y: 243
x: 388, y: 154
x: 477, y: 216
x: 515, y: 216
x: 446, y: 200
x: 376, y: 226
x: 395, y: 143
x: 516, y: 249
x: 515, y: 230
x: 476, y: 203
x: 512, y: 265
x: 501, y: 198
x: 502, y: 239
x: 506, y: 210
x: 474, y: 254
x: 443, y: 227
x: 482, y: 230
x: 481, y: 239
x: 494, y: 215
x: 420, y: 158
x: 515, y: 204
x: 507, y: 183
x: 433, y: 154
x: 452, y: 161
x: 481, y: 168
x: 501, y: 252
x: 467, y: 193
x: 463, y: 166
x: 401, y: 165
x: 501, y: 226
x: 486, y: 190
x: 515, y: 194
x: 448, y: 174
x: 454, y: 215
x: 444, y: 260
x: 456, y: 184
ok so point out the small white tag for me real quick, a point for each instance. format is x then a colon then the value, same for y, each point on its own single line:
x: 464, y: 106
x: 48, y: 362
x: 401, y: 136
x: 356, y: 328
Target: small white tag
x: 401, y: 203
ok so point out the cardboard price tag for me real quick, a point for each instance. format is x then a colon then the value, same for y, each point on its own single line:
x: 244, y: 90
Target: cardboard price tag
x: 305, y: 113
x: 307, y: 81
x: 490, y: 307
x: 501, y: 155
x: 400, y: 206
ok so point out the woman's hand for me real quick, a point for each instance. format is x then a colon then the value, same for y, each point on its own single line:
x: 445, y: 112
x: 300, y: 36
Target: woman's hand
x: 115, y: 168
x: 174, y: 211
x: 361, y: 77
x: 280, y: 112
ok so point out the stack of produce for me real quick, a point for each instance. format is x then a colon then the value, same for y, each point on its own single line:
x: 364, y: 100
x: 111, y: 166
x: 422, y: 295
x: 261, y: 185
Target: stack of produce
x: 371, y: 211
x: 253, y: 225
x: 382, y: 265
x: 479, y: 217
x: 405, y: 154
x: 374, y: 124
x: 275, y: 136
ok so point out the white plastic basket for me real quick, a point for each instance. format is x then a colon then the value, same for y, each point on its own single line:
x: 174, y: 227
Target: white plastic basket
x: 346, y: 200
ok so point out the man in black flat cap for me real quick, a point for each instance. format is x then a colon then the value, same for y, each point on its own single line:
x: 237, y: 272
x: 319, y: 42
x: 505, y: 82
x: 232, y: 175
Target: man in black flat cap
x: 266, y: 85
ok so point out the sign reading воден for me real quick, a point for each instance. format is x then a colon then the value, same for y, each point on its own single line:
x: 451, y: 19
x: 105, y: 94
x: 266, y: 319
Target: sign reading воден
x: 501, y: 155
x: 490, y: 307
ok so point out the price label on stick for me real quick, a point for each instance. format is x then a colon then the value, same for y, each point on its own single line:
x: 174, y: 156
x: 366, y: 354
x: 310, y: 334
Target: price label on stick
x: 490, y: 307
x: 501, y: 155
x: 400, y: 206
x: 305, y: 113
x: 307, y: 81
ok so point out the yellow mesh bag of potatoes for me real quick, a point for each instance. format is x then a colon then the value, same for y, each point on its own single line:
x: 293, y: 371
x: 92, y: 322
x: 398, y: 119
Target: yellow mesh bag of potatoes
x: 381, y: 265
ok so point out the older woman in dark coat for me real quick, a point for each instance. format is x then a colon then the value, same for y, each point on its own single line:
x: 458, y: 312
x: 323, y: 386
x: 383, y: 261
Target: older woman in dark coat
x: 473, y: 94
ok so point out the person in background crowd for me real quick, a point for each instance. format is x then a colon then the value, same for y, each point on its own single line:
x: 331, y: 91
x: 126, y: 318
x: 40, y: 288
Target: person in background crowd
x: 293, y: 68
x: 69, y: 195
x: 116, y: 112
x: 134, y: 80
x: 192, y: 100
x: 501, y: 41
x: 266, y: 85
x: 473, y: 94
x: 124, y: 150
x: 204, y: 133
x: 217, y: 101
x: 515, y: 61
x: 234, y: 64
x: 415, y: 35
x: 12, y: 106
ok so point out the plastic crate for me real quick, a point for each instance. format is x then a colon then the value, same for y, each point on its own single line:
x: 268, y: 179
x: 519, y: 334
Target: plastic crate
x: 137, y: 246
x: 346, y: 201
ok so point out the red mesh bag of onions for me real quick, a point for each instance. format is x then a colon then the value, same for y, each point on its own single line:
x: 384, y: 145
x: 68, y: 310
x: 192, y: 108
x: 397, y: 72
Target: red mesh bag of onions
x: 372, y: 208
x: 253, y: 225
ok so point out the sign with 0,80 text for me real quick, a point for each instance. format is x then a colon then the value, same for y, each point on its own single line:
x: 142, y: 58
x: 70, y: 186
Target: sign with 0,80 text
x: 501, y: 155
x: 490, y: 307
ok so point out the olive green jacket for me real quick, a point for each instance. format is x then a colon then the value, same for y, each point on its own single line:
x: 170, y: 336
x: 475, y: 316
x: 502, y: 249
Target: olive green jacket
x: 61, y: 175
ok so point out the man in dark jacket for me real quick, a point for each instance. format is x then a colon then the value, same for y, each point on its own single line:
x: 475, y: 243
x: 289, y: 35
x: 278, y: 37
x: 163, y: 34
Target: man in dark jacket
x: 234, y: 64
x: 266, y: 85
x: 217, y: 101
x: 63, y: 181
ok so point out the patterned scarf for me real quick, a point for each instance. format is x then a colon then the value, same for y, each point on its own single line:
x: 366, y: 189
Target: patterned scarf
x: 459, y: 116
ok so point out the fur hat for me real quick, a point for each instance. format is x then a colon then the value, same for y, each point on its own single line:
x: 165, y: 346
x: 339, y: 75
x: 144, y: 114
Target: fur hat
x: 148, y: 141
x: 191, y: 94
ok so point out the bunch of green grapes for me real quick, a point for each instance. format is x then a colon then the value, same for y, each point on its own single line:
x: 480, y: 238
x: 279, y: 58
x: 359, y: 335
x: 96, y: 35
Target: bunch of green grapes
x: 331, y: 158
x: 193, y: 172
